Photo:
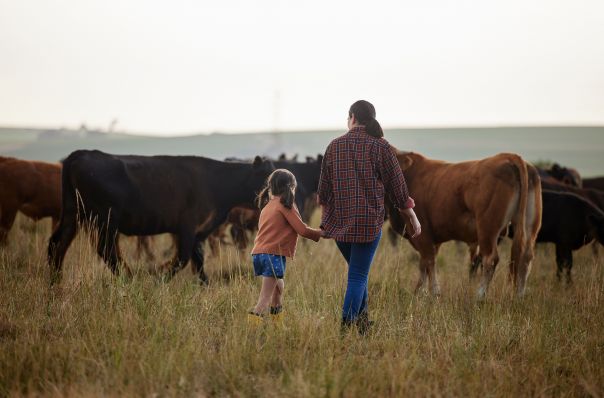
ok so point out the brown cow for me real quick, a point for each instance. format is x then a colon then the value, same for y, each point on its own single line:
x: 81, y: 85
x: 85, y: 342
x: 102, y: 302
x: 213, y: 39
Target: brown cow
x: 473, y: 202
x: 33, y: 188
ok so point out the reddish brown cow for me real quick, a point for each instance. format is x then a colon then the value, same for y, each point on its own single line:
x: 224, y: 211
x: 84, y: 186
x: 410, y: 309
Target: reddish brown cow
x: 473, y: 202
x: 33, y: 188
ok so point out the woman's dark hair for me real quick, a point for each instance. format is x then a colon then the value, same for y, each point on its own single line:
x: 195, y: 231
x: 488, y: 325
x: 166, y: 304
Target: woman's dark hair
x: 364, y: 113
x: 281, y: 183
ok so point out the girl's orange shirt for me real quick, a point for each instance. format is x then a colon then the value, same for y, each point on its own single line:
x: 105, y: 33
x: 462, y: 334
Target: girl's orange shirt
x: 278, y: 230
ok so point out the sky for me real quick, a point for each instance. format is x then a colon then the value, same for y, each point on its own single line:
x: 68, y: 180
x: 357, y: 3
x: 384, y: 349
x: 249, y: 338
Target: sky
x: 183, y: 67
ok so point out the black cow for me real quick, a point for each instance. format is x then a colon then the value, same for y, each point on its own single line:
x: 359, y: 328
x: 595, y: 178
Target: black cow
x: 569, y: 221
x: 564, y: 175
x: 596, y: 197
x: 594, y: 183
x: 307, y: 176
x: 186, y: 196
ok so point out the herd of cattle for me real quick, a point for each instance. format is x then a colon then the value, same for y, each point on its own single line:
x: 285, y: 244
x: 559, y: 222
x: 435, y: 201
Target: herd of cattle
x: 194, y: 198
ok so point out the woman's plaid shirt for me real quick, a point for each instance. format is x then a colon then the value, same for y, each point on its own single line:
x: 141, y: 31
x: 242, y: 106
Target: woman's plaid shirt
x: 356, y: 172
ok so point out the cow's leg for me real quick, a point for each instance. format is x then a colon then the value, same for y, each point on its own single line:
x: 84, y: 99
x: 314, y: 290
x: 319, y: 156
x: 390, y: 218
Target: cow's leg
x: 423, y: 274
x: 239, y: 236
x: 426, y: 265
x: 490, y: 259
x: 58, y: 244
x: 142, y: 246
x: 183, y: 253
x: 475, y: 259
x: 197, y: 260
x: 55, y: 224
x: 108, y: 248
x: 7, y: 219
x: 564, y: 259
x: 432, y: 278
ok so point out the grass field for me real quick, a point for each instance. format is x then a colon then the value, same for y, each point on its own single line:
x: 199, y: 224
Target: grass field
x: 100, y: 335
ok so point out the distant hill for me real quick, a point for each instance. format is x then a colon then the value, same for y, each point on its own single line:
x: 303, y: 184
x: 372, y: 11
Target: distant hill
x: 579, y: 147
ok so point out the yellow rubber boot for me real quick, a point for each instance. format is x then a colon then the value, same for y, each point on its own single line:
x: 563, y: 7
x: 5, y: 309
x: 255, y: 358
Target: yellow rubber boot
x: 254, y: 320
x: 277, y: 317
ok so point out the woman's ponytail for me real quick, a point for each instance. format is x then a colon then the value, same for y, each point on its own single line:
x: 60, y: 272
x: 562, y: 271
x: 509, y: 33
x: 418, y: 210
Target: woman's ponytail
x: 374, y: 129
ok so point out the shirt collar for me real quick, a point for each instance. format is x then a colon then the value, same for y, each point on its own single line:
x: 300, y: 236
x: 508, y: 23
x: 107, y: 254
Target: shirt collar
x: 358, y: 130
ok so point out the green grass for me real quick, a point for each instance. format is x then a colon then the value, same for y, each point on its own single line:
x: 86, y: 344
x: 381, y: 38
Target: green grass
x: 95, y: 334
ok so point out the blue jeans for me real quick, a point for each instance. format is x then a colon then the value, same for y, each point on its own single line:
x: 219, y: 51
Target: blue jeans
x: 359, y: 257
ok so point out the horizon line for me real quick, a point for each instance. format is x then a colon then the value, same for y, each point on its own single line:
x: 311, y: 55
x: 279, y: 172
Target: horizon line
x: 309, y: 130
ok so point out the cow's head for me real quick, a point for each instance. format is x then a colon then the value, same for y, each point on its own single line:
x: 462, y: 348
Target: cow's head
x: 565, y: 175
x: 261, y: 169
x: 407, y: 159
x: 596, y: 224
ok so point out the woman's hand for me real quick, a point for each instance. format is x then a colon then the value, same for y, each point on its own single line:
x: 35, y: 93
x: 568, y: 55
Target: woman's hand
x: 417, y: 228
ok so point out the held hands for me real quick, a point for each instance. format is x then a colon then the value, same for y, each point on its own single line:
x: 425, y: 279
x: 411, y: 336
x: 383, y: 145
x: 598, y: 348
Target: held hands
x: 324, y: 235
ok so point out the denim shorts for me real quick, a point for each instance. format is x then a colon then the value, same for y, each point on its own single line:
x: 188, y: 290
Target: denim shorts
x: 270, y: 265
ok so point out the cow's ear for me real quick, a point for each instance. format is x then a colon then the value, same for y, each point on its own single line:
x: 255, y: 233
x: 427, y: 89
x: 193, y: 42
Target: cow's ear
x: 556, y: 167
x: 319, y: 158
x: 406, y: 162
x: 257, y: 161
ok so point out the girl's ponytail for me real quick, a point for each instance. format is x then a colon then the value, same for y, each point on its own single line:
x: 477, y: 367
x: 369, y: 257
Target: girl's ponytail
x: 287, y: 197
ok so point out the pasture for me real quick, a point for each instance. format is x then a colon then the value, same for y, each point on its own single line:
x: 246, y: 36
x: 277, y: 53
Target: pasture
x: 96, y: 334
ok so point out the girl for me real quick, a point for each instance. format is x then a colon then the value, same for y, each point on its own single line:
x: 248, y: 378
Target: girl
x: 278, y: 230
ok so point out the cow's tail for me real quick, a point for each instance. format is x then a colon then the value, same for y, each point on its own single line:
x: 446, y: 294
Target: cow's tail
x: 70, y: 211
x: 519, y: 221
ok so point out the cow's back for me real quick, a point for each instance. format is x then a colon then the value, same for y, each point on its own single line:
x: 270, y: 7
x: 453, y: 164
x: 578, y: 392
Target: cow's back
x: 33, y: 187
x: 565, y: 218
x: 449, y: 195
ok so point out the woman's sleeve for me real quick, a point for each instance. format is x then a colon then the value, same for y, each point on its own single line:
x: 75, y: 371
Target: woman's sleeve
x: 394, y: 180
x: 293, y: 218
x: 324, y: 191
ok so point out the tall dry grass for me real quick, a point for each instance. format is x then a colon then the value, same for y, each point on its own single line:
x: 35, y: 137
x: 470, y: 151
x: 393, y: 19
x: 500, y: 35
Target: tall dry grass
x: 95, y: 334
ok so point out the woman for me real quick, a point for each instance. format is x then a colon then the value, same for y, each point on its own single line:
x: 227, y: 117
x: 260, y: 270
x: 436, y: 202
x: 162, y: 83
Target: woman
x: 358, y: 169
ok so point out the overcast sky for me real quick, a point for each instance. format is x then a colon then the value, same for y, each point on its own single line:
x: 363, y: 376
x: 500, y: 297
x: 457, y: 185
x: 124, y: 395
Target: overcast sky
x: 182, y: 67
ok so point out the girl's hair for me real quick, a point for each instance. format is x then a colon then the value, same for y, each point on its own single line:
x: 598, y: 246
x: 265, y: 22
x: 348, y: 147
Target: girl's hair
x: 281, y: 182
x: 364, y: 113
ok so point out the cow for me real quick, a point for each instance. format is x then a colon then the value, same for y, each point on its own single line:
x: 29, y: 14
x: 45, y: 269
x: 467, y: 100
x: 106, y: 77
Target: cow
x: 31, y: 187
x: 594, y: 183
x: 595, y: 196
x: 244, y: 220
x: 562, y: 174
x: 570, y: 222
x: 186, y: 196
x: 472, y: 201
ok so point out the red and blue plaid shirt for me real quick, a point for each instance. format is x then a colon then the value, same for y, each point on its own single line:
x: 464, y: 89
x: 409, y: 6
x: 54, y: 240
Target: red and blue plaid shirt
x: 356, y: 172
